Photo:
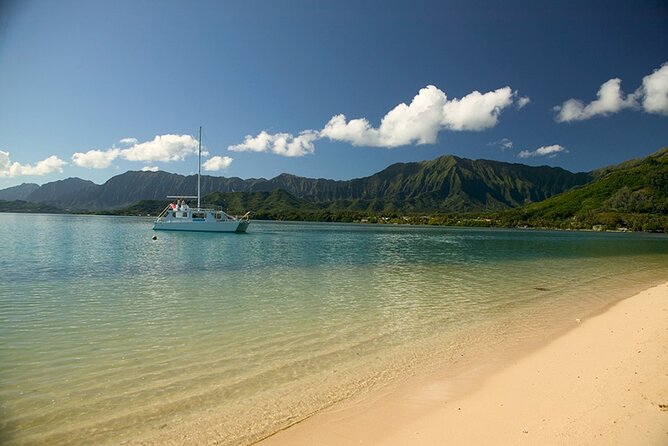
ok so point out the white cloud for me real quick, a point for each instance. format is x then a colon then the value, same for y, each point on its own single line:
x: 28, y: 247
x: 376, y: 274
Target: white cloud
x: 504, y: 144
x: 49, y: 165
x: 549, y: 151
x: 4, y: 163
x: 477, y: 111
x: 654, y: 91
x: 163, y: 148
x: 610, y: 100
x: 96, y: 159
x: 357, y: 132
x: 652, y: 95
x: 523, y: 102
x: 150, y: 169
x: 419, y: 122
x: 217, y: 163
x: 280, y: 143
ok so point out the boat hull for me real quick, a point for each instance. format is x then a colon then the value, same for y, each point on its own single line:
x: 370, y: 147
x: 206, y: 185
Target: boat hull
x: 222, y: 226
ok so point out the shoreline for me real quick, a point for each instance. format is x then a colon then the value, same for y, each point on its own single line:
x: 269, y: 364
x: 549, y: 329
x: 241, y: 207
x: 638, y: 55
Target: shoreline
x: 619, y: 230
x: 603, y: 382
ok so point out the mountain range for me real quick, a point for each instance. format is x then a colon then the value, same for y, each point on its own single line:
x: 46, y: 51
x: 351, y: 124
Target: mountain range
x: 445, y: 184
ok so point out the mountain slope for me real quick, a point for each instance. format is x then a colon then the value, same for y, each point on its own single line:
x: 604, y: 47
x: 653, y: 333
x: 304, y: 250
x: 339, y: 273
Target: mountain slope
x: 20, y: 192
x: 445, y: 184
x: 60, y: 191
x: 133, y: 186
x: 633, y: 194
x: 277, y: 204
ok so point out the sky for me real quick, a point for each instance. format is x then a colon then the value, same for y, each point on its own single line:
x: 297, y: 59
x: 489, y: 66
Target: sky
x: 325, y: 89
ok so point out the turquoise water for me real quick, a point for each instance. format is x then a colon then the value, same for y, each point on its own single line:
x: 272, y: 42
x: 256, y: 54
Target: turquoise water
x: 108, y: 337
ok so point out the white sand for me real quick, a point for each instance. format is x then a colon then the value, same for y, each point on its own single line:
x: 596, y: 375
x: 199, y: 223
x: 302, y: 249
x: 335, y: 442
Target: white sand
x: 603, y: 383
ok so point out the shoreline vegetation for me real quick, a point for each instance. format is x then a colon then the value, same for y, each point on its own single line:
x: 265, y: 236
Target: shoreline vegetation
x: 513, y: 218
x: 603, y: 382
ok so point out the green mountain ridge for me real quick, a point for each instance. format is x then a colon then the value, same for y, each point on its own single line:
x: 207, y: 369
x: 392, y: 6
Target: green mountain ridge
x: 631, y: 195
x: 447, y: 183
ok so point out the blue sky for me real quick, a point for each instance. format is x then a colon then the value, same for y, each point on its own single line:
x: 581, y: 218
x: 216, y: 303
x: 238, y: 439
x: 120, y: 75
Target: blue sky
x: 91, y: 89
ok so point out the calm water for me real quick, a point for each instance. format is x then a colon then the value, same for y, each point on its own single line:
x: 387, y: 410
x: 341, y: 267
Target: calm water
x: 108, y: 337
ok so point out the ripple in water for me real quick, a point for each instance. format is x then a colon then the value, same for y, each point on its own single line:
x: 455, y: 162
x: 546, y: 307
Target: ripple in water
x: 108, y: 337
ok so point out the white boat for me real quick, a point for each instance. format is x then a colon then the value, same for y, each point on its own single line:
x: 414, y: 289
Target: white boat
x: 179, y: 216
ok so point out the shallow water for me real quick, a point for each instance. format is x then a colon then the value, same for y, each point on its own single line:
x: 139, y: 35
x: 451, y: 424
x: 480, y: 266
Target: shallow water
x: 109, y: 337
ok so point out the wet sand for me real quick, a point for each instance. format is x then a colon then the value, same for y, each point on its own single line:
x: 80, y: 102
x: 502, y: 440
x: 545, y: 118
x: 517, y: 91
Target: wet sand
x: 604, y: 382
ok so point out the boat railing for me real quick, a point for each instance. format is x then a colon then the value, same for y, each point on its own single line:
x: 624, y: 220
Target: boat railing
x: 218, y: 208
x: 164, y: 212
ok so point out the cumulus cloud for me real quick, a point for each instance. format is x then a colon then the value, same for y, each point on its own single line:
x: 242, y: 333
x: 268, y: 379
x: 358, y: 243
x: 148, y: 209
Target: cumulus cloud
x: 163, y: 148
x: 654, y: 91
x: 283, y: 144
x: 96, y: 159
x: 419, y: 122
x: 150, y: 169
x: 610, y: 100
x: 651, y: 96
x: 49, y: 165
x: 357, y: 132
x: 477, y: 111
x: 549, y: 151
x: 217, y: 163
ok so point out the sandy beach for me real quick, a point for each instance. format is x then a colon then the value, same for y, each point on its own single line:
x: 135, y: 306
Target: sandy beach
x: 603, y: 382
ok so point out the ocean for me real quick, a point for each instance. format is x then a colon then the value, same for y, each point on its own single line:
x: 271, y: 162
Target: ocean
x: 110, y: 337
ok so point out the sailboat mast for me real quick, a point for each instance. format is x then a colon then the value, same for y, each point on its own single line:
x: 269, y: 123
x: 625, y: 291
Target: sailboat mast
x: 199, y: 167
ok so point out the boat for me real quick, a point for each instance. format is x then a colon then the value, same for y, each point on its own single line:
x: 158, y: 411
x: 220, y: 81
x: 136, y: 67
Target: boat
x: 179, y: 216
